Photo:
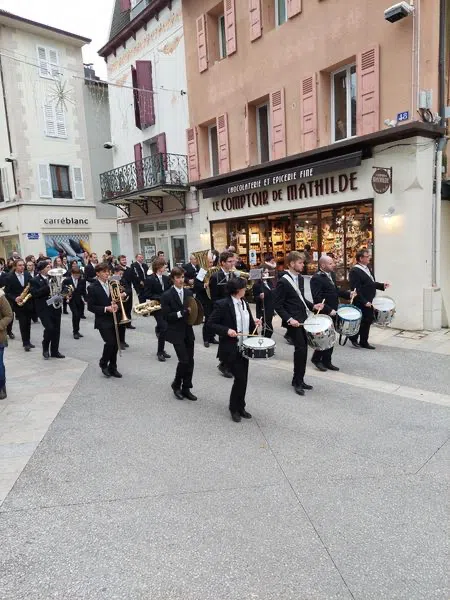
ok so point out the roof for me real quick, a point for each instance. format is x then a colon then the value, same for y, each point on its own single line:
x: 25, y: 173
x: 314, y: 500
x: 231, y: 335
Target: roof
x: 119, y: 20
x: 5, y: 15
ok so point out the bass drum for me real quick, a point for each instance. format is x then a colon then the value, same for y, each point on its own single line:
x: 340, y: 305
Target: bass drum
x: 320, y: 332
x: 258, y: 347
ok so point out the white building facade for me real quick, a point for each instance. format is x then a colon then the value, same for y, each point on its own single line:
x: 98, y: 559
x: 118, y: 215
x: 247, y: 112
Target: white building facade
x: 149, y: 117
x: 47, y: 201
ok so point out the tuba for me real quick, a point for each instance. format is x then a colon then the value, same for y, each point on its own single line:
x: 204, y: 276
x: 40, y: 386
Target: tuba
x: 57, y: 292
x: 204, y: 257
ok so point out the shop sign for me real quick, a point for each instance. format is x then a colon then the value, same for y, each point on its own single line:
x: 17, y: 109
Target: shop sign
x: 382, y: 180
x: 66, y: 221
x: 335, y: 184
x: 33, y: 236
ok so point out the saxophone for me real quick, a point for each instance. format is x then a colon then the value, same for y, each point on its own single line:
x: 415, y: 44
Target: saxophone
x: 24, y: 296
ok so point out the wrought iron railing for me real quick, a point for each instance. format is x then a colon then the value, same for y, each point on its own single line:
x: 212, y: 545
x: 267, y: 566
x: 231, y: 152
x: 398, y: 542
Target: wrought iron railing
x: 150, y: 172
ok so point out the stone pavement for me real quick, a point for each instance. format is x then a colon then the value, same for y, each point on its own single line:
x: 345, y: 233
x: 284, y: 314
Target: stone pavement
x: 114, y: 489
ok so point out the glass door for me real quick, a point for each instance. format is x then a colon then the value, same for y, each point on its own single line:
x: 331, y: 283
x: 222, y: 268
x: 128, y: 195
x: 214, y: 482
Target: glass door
x: 179, y: 250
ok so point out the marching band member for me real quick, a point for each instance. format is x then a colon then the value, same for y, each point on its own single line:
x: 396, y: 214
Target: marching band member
x: 155, y: 285
x: 361, y: 278
x: 263, y: 294
x: 179, y: 333
x: 31, y: 268
x: 218, y: 289
x: 191, y: 270
x: 77, y: 298
x: 323, y: 286
x: 49, y: 315
x: 140, y: 270
x: 6, y: 316
x: 200, y: 291
x: 89, y: 270
x: 99, y: 303
x: 231, y: 316
x: 292, y: 306
x: 15, y: 284
x: 126, y: 278
x: 126, y: 294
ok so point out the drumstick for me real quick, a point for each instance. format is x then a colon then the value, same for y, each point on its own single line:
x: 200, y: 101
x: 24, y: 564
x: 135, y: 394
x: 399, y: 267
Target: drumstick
x: 351, y: 299
x: 323, y: 302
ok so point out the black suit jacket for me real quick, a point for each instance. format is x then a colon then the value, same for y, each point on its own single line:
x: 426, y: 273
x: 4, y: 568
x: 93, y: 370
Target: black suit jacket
x: 98, y: 300
x: 89, y: 273
x: 153, y: 289
x: 287, y: 302
x: 79, y: 293
x: 365, y: 287
x: 138, y: 277
x: 178, y: 329
x: 223, y: 318
x: 40, y: 291
x: 191, y: 271
x: 13, y: 288
x: 266, y: 287
x: 323, y: 288
x: 127, y: 277
x: 218, y: 286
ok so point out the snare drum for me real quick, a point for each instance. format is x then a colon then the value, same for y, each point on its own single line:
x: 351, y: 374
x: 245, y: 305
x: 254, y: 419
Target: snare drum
x: 383, y: 309
x: 258, y: 347
x: 320, y: 332
x: 348, y: 320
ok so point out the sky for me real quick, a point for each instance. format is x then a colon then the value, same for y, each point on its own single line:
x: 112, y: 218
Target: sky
x: 88, y: 18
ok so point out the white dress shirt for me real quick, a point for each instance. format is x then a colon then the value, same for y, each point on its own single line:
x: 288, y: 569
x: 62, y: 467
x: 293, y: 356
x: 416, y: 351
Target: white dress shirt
x: 21, y: 278
x: 366, y: 270
x: 180, y: 293
x: 242, y: 316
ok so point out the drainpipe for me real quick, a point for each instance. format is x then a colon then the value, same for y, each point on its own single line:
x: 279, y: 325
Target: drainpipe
x: 2, y: 82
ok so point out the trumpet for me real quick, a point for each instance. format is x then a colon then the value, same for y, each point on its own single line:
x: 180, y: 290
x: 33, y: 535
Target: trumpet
x: 147, y: 308
x: 24, y: 296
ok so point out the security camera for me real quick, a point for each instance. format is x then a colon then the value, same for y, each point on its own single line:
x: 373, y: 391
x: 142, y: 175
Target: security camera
x: 11, y: 158
x: 108, y: 145
x: 398, y: 11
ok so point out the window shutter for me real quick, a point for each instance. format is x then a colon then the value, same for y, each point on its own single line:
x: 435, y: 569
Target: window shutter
x: 309, y: 112
x: 49, y: 120
x: 368, y: 94
x: 134, y: 79
x: 43, y: 62
x: 193, y: 158
x: 230, y: 26
x: 4, y: 188
x: 125, y: 5
x: 202, y: 47
x: 222, y: 142
x: 294, y: 7
x: 61, y: 130
x: 45, y: 188
x: 247, y: 137
x: 139, y: 166
x: 145, y: 94
x: 78, y: 186
x: 54, y: 62
x: 278, y: 125
x: 255, y: 19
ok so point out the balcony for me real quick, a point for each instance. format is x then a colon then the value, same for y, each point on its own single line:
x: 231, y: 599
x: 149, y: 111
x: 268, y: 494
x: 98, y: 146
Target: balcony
x: 146, y: 180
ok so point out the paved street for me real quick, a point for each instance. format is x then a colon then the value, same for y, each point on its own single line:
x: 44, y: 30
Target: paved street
x: 113, y: 489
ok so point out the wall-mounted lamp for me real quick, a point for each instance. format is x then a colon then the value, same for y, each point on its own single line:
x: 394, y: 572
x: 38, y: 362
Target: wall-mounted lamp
x: 389, y: 214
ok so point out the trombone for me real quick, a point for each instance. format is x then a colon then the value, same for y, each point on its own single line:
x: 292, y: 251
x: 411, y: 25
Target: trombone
x: 116, y: 298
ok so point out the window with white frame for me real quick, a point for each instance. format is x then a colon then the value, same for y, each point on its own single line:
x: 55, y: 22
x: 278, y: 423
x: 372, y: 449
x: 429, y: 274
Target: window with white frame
x: 48, y: 62
x: 263, y: 133
x: 280, y: 11
x: 213, y: 149
x: 55, y: 121
x: 222, y: 37
x: 61, y: 181
x: 343, y: 103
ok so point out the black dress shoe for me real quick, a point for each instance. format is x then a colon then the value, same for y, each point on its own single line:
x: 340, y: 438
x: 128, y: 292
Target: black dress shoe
x: 355, y: 344
x: 3, y: 393
x: 65, y: 312
x: 11, y: 336
x: 187, y: 394
x: 177, y: 392
x: 299, y: 390
x: 319, y: 366
x: 115, y: 373
x: 123, y: 346
x: 367, y: 346
x: 245, y: 415
x: 58, y: 355
x: 331, y: 367
x: 82, y: 317
x: 81, y: 335
x: 236, y: 417
x: 31, y: 345
x: 131, y: 327
x: 27, y: 348
x: 164, y: 353
x: 105, y: 372
x: 161, y: 357
x: 45, y: 354
x: 76, y: 336
x: 206, y: 344
x: 306, y: 386
x: 126, y: 345
x: 225, y: 371
x: 214, y: 341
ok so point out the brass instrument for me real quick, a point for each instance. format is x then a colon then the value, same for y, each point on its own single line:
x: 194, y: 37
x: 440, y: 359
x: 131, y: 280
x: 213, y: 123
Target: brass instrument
x: 203, y: 259
x: 24, y: 296
x: 57, y: 292
x: 196, y: 313
x: 243, y: 275
x: 147, y: 308
x: 115, y: 290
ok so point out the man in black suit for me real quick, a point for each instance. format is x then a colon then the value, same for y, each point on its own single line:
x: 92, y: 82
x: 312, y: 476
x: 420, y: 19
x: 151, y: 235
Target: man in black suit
x: 15, y: 283
x: 126, y: 294
x: 293, y: 308
x: 77, y: 298
x: 218, y: 289
x: 89, y: 269
x: 100, y: 303
x: 139, y: 274
x: 361, y: 278
x: 323, y: 287
x: 231, y: 316
x: 175, y: 310
x: 191, y: 270
x: 126, y: 275
x: 263, y: 290
x: 201, y: 294
x: 49, y: 315
x: 155, y: 285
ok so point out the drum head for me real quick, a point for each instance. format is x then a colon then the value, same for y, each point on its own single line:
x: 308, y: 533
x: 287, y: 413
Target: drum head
x: 383, y: 303
x: 349, y: 312
x: 317, y: 323
x: 258, y: 342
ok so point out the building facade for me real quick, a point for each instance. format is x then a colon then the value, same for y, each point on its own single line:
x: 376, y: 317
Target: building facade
x: 47, y: 200
x: 322, y: 124
x: 149, y: 117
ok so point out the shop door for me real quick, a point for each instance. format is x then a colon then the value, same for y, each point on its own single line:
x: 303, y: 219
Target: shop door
x: 148, y: 249
x: 179, y: 250
x: 162, y: 244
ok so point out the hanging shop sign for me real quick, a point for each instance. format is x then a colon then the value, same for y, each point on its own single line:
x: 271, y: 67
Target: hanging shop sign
x: 382, y: 180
